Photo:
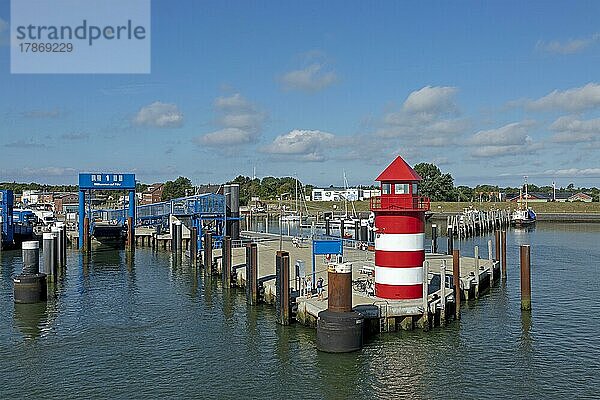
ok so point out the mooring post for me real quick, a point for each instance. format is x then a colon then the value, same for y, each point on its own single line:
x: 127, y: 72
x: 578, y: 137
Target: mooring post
x: 433, y: 238
x: 525, y: 277
x: 450, y: 240
x: 327, y: 227
x: 492, y: 262
x: 86, y: 234
x: 476, y: 250
x: 342, y: 229
x: 179, y: 241
x: 252, y: 273
x: 443, y: 293
x: 194, y: 245
x: 456, y: 280
x: 425, y: 295
x: 282, y: 282
x: 226, y: 261
x: 49, y: 266
x: 208, y: 253
x: 56, y: 247
x: 130, y: 234
x: 357, y: 230
x: 30, y: 285
x: 59, y: 245
x: 497, y: 237
x: 503, y: 240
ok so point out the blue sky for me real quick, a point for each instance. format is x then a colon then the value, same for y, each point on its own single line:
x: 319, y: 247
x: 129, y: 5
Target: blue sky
x: 489, y: 91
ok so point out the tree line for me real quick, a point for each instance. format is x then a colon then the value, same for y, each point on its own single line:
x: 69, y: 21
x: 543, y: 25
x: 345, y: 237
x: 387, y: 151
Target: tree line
x: 436, y: 185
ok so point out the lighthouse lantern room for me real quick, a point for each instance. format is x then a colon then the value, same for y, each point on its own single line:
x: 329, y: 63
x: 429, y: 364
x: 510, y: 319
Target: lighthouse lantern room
x: 399, y: 233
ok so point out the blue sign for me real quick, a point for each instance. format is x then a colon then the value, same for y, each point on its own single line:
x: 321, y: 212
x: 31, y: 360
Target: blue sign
x: 107, y: 181
x: 328, y: 247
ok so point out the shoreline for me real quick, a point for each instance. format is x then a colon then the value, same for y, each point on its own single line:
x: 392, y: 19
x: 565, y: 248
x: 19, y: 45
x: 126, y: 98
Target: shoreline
x: 541, y: 217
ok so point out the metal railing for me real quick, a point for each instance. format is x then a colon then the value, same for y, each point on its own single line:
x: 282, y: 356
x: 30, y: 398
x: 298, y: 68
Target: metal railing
x: 399, y: 202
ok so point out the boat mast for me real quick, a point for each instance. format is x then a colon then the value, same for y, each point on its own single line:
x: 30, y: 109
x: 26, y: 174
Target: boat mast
x: 526, y: 206
x: 296, y: 198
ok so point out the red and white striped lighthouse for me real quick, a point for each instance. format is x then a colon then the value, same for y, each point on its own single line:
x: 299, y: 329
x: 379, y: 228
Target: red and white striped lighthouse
x: 399, y: 233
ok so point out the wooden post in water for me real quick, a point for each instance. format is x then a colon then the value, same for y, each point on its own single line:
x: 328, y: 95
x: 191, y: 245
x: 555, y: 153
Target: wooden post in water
x: 497, y: 237
x: 208, y: 253
x: 194, y: 245
x: 525, y: 250
x: 425, y: 295
x: 456, y: 279
x: 491, y: 262
x: 252, y: 273
x: 443, y: 293
x: 282, y: 282
x: 450, y: 240
x: 503, y: 237
x: 226, y: 261
x: 130, y: 234
x: 434, y: 238
x: 86, y: 234
x: 476, y: 272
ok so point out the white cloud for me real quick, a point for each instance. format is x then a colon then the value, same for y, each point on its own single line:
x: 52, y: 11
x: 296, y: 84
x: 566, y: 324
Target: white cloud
x: 311, y: 79
x: 572, y: 130
x: 575, y: 99
x: 159, y: 115
x: 240, y: 123
x: 573, y: 172
x: 568, y: 46
x: 308, y: 145
x: 427, y: 116
x: 431, y: 100
x: 507, y: 140
x: 47, y: 171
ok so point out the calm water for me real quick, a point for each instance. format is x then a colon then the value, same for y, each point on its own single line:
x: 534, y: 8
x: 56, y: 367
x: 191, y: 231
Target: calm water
x: 148, y: 327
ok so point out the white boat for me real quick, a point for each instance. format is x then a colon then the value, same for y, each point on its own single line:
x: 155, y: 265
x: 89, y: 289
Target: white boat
x: 524, y: 215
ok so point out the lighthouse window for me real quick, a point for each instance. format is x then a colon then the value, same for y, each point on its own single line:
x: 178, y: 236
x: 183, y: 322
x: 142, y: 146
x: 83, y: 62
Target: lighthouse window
x: 401, y: 188
x: 386, y: 188
x: 415, y: 188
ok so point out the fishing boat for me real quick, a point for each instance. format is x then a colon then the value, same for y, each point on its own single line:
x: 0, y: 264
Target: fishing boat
x: 524, y: 215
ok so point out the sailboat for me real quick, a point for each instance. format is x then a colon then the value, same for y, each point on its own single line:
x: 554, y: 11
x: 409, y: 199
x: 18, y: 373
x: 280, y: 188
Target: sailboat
x: 524, y: 215
x: 296, y: 215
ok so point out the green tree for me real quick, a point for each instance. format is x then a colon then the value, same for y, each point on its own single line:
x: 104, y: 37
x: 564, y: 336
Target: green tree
x: 180, y: 187
x: 435, y: 185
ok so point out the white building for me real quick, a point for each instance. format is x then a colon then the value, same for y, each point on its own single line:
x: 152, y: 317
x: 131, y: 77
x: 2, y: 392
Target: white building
x: 341, y: 194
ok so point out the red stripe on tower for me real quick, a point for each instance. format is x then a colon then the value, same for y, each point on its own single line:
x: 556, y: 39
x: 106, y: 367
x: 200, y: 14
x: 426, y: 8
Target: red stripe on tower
x: 400, y: 226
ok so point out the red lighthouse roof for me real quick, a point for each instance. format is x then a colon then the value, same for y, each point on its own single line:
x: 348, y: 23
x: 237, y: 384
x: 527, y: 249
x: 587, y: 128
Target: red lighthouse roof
x: 398, y: 170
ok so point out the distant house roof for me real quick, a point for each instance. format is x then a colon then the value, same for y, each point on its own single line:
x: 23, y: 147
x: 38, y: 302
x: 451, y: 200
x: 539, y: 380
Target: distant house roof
x: 563, y: 195
x: 398, y: 170
x: 580, y: 196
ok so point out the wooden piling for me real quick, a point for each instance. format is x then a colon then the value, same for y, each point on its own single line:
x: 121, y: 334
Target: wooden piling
x: 425, y: 318
x: 476, y: 271
x: 450, y: 240
x: 282, y: 282
x: 226, y: 261
x: 456, y: 280
x: 497, y: 237
x: 86, y: 234
x: 443, y: 293
x: 525, y: 251
x: 503, y: 241
x: 434, y: 238
x: 194, y: 245
x: 208, y: 253
x: 252, y: 273
x: 130, y: 234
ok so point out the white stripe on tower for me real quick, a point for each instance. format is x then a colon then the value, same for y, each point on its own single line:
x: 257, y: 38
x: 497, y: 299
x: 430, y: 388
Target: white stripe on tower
x: 399, y: 276
x: 399, y: 241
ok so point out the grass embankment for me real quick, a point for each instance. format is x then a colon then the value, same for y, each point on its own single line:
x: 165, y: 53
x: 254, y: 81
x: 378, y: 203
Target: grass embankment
x: 438, y: 207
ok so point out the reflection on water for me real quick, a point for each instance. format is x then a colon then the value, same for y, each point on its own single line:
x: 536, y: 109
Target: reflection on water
x: 148, y: 324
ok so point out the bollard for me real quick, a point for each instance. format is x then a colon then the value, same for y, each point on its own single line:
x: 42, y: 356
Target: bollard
x: 30, y: 285
x: 252, y: 273
x: 433, y: 238
x: 194, y: 245
x: 503, y: 240
x: 450, y: 241
x: 31, y: 258
x: 525, y: 251
x: 226, y: 270
x: 56, y: 244
x: 476, y: 256
x: 282, y: 283
x: 49, y: 266
x: 86, y: 234
x: 339, y: 329
x: 443, y: 293
x: 456, y: 280
x: 208, y: 253
x: 497, y: 237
